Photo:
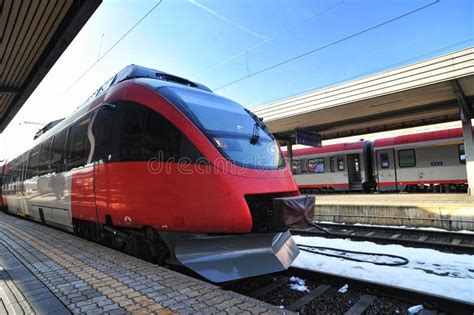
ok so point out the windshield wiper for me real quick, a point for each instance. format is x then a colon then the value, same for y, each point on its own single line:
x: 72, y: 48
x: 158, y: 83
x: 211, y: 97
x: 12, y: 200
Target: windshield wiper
x: 259, y: 125
x: 255, y: 134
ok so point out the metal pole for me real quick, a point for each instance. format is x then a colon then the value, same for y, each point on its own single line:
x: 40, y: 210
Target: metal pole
x: 289, y: 149
x: 469, y: 152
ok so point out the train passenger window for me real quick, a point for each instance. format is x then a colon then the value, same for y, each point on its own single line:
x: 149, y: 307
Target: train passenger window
x: 296, y: 166
x: 131, y: 147
x: 43, y: 164
x: 33, y: 162
x: 384, y: 160
x: 461, y: 154
x: 162, y: 139
x: 105, y: 128
x: 331, y: 164
x: 77, y: 144
x: 316, y: 165
x: 57, y: 152
x: 340, y: 163
x: 147, y: 134
x: 406, y: 158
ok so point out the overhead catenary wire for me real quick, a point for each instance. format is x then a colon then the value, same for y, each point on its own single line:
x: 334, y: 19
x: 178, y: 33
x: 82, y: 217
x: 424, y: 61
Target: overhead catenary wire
x: 267, y: 40
x: 328, y: 45
x: 114, y: 45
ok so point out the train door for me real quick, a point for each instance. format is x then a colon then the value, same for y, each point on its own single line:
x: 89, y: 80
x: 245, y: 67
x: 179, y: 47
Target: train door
x: 1, y: 185
x: 21, y: 194
x: 80, y: 171
x: 386, y: 170
x: 353, y: 172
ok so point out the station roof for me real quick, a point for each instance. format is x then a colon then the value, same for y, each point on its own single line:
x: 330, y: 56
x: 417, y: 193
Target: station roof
x: 33, y: 35
x: 419, y: 94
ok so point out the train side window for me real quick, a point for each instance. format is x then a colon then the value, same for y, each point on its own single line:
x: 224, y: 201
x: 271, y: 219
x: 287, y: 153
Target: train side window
x: 33, y: 162
x: 131, y: 146
x: 77, y: 144
x: 57, y: 152
x: 384, y: 160
x: 296, y: 166
x: 406, y: 158
x: 461, y: 154
x: 43, y: 164
x: 316, y: 165
x: 164, y: 138
x: 331, y: 164
x: 106, y: 127
x: 147, y: 134
x: 340, y: 163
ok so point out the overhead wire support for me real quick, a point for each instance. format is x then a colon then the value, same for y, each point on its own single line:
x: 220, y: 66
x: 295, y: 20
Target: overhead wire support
x: 329, y: 45
x: 115, y: 44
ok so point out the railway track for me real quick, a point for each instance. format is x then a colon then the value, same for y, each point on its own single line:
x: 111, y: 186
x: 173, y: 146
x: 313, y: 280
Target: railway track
x: 324, y: 295
x: 453, y: 242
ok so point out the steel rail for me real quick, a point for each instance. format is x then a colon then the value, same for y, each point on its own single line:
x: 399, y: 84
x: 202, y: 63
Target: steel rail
x: 420, y: 230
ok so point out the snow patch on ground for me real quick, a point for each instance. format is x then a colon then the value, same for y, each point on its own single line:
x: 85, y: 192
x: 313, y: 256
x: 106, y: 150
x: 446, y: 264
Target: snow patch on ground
x: 415, y: 309
x: 298, y: 284
x: 343, y: 289
x: 428, y: 270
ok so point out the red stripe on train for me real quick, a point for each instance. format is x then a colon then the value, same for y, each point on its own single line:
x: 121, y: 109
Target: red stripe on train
x: 426, y: 182
x: 323, y: 185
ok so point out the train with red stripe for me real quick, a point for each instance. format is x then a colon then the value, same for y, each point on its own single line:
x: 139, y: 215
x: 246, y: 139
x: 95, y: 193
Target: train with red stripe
x: 422, y: 162
x: 160, y: 166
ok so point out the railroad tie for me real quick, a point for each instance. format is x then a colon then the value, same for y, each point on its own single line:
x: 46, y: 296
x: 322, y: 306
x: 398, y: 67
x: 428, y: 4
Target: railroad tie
x: 456, y: 241
x: 308, y: 297
x: 370, y: 234
x: 361, y: 305
x: 395, y: 236
x: 270, y: 287
x: 423, y: 238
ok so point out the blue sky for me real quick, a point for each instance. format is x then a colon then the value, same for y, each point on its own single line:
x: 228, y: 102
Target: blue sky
x: 216, y: 42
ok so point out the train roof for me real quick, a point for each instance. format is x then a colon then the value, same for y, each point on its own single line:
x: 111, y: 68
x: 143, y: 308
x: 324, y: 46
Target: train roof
x: 437, y: 135
x: 329, y: 148
x: 134, y: 71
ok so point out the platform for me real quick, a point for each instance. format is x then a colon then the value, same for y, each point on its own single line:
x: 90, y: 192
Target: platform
x: 448, y: 211
x: 47, y: 271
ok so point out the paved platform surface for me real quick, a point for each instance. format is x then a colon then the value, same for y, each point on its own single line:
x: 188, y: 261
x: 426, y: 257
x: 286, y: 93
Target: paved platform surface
x: 402, y: 199
x: 46, y: 271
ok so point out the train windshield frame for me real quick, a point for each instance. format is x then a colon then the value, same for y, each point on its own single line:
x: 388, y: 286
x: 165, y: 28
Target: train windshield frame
x: 239, y: 135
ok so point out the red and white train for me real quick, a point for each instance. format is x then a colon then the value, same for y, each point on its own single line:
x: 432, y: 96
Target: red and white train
x: 158, y: 165
x: 430, y: 161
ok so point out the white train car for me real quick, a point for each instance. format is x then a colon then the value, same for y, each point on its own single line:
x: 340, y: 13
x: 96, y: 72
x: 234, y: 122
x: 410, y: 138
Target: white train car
x: 337, y: 167
x: 430, y: 161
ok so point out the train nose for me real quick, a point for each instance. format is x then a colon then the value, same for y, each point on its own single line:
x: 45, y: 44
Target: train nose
x: 226, y: 258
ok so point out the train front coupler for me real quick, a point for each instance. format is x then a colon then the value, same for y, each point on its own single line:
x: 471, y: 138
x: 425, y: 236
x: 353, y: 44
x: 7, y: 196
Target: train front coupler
x: 293, y: 212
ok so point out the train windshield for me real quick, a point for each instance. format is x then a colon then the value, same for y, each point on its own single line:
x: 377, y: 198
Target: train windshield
x: 238, y: 134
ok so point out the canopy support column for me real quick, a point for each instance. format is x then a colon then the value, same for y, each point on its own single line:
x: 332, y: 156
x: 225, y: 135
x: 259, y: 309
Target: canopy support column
x: 289, y: 150
x: 466, y: 113
x: 469, y: 151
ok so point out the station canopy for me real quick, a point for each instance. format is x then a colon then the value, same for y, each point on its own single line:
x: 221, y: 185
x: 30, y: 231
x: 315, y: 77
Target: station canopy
x: 33, y: 35
x: 423, y: 93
